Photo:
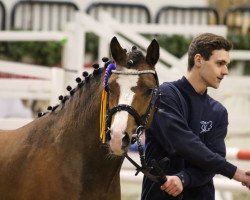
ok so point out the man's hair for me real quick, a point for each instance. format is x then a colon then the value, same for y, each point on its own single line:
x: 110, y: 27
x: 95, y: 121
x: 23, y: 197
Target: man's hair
x: 204, y: 45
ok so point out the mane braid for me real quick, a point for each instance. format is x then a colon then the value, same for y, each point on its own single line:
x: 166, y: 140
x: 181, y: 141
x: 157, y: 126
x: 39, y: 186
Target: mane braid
x: 96, y: 73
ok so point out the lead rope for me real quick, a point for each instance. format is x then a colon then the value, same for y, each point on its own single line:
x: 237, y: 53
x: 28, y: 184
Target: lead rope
x: 143, y: 168
x: 139, y: 131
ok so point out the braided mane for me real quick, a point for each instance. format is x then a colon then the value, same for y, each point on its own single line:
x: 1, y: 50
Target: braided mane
x: 84, y: 88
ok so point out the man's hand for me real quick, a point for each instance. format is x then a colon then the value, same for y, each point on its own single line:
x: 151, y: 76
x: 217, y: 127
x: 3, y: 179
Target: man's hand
x: 243, y: 177
x: 247, y: 182
x: 172, y: 186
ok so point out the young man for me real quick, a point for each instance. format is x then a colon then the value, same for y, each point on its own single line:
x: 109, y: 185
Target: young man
x: 189, y: 127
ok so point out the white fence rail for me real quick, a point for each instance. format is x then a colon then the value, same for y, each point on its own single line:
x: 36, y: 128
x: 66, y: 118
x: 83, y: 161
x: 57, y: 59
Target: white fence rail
x: 32, y: 36
x: 73, y: 51
x: 45, y: 83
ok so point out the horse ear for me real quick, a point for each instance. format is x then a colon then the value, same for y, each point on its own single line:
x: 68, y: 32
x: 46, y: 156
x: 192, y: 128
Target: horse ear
x: 153, y: 53
x: 117, y: 52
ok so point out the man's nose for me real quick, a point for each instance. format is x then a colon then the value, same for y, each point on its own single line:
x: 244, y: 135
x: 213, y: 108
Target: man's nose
x: 225, y: 70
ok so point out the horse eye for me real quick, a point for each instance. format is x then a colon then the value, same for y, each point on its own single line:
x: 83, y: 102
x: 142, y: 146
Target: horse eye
x: 112, y: 92
x: 148, y: 92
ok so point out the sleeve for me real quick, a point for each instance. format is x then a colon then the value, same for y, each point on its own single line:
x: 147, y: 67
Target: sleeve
x: 193, y: 176
x: 175, y: 137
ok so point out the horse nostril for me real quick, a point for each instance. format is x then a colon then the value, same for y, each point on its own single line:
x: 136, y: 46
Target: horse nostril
x: 108, y: 136
x: 125, y: 141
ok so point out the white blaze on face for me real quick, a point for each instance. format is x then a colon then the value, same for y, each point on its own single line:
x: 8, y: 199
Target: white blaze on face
x: 119, y: 125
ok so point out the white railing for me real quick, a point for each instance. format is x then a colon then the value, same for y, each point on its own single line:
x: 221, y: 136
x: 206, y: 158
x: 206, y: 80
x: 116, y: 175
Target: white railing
x: 32, y: 36
x: 74, y: 47
x: 48, y: 82
x: 45, y: 83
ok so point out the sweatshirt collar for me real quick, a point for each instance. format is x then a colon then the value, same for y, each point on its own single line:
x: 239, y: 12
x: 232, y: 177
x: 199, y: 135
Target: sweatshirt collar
x: 187, y: 86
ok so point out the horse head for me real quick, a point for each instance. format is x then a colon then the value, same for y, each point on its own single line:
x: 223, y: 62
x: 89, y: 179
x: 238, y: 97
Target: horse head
x: 132, y: 87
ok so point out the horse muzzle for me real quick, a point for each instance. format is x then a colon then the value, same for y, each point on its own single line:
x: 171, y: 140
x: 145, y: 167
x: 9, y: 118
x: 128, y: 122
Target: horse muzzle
x: 119, y: 142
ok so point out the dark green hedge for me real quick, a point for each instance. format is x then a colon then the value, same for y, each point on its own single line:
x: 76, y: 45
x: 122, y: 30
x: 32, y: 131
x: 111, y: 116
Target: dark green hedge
x: 42, y: 53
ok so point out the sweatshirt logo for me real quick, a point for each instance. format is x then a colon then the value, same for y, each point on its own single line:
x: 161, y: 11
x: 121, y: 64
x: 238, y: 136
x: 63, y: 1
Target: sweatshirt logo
x: 206, y: 126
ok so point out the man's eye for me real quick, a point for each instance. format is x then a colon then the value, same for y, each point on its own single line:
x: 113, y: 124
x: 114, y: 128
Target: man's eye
x: 222, y: 63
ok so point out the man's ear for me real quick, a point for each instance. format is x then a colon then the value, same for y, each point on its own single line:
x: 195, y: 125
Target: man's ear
x: 198, y: 59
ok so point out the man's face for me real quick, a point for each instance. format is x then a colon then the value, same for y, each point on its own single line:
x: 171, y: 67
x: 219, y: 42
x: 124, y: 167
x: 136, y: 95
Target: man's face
x: 212, y: 71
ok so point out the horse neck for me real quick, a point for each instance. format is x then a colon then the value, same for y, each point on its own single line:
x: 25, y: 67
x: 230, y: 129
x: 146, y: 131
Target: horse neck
x: 73, y: 124
x: 79, y: 120
x: 81, y: 125
x: 73, y: 128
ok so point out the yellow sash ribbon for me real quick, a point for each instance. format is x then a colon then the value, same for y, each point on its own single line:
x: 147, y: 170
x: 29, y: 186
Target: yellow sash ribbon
x: 103, y: 116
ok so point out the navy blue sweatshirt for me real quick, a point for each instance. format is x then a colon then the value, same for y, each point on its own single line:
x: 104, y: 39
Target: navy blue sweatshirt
x: 189, y: 129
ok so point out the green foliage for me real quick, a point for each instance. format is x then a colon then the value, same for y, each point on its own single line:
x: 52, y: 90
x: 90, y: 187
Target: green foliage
x: 47, y: 53
x: 175, y: 44
x: 240, y: 41
x: 247, y: 68
x: 42, y: 53
x: 92, y: 42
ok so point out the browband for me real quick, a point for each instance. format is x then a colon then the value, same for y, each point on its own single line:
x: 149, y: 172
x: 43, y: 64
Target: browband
x: 134, y: 72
